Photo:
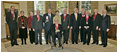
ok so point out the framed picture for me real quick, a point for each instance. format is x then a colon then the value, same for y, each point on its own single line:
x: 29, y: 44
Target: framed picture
x: 111, y: 9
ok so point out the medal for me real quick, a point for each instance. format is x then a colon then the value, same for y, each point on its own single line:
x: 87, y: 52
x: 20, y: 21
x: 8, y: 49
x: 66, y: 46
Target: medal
x: 87, y: 22
x: 22, y: 20
x: 87, y: 19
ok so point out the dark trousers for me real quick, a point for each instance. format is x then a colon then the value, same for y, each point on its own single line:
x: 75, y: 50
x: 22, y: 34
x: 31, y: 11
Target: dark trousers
x: 23, y: 41
x: 65, y: 35
x: 81, y: 34
x: 23, y: 35
x: 95, y: 36
x: 13, y: 36
x: 56, y: 35
x: 38, y: 38
x: 86, y: 36
x: 48, y: 36
x: 104, y: 37
x: 31, y: 36
x: 74, y: 35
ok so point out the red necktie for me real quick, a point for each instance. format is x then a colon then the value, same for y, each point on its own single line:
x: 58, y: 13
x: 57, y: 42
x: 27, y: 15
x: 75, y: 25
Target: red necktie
x: 22, y: 18
x: 31, y: 18
x: 57, y: 26
x: 37, y: 17
x: 12, y: 15
x: 95, y: 16
x: 64, y: 16
x: 87, y: 18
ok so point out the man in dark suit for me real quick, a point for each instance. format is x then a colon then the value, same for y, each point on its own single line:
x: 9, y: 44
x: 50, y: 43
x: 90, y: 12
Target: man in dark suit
x: 104, y: 27
x: 65, y: 24
x: 96, y: 24
x: 87, y: 22
x: 11, y: 18
x: 82, y: 17
x: 48, y: 20
x: 74, y: 25
x: 37, y: 25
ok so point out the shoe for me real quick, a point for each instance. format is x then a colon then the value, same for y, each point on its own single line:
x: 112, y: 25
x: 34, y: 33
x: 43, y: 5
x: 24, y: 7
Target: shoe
x: 105, y: 46
x: 40, y: 43
x: 46, y: 43
x: 63, y: 42
x: 31, y: 43
x: 12, y: 45
x: 16, y: 44
x: 72, y: 42
x: 81, y: 41
x: 87, y: 43
x: 93, y: 43
x: 36, y: 43
x: 76, y: 42
x: 25, y: 43
x: 84, y: 43
x: 66, y: 42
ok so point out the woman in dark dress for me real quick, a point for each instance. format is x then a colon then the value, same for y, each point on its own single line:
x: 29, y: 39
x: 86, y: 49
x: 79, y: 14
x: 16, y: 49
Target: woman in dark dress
x: 22, y: 23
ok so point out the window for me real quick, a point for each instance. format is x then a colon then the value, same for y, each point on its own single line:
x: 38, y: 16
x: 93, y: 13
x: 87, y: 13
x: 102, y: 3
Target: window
x: 61, y: 5
x: 86, y: 5
x: 39, y: 5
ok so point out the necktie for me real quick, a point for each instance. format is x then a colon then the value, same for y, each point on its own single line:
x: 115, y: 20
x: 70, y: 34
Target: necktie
x: 76, y: 17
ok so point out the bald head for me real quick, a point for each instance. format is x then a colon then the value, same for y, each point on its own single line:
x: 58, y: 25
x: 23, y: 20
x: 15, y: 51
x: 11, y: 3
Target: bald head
x: 104, y: 11
x: 64, y: 11
x: 38, y: 12
x: 49, y: 11
x: 75, y: 10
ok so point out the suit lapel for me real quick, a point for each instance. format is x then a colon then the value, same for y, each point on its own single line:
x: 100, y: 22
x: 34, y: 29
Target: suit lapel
x: 11, y: 16
x: 74, y: 16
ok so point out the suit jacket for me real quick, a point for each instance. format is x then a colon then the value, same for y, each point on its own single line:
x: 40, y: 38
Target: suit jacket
x: 105, y: 22
x: 49, y: 23
x: 82, y: 21
x: 29, y: 20
x: 37, y: 24
x: 53, y: 28
x: 65, y: 22
x: 24, y: 22
x: 89, y: 22
x: 96, y: 21
x: 75, y: 24
x: 9, y: 19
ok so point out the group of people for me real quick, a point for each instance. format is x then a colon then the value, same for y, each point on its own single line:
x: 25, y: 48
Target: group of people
x: 58, y: 26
